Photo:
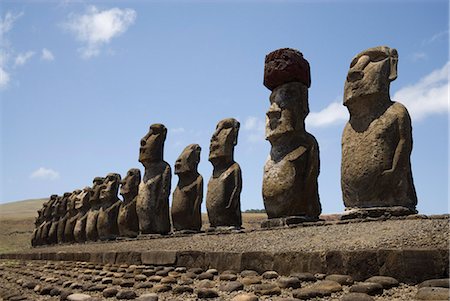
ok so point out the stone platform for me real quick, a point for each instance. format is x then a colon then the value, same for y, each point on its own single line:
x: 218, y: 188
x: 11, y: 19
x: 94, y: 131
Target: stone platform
x: 411, y: 249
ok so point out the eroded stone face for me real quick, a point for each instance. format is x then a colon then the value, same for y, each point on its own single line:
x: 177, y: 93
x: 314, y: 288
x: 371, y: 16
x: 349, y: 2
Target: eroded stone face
x: 224, y: 187
x: 152, y: 205
x: 188, y: 194
x: 92, y: 214
x: 109, y: 208
x: 127, y: 219
x: 377, y: 140
x: 291, y: 171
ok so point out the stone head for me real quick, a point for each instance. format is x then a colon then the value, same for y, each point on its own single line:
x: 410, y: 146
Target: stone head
x: 371, y: 73
x: 110, y: 187
x: 49, y: 205
x: 286, y: 65
x: 82, y: 199
x: 152, y: 144
x: 71, y: 201
x: 288, y: 110
x: 97, y: 185
x: 223, y: 141
x: 130, y: 184
x: 62, y: 205
x: 188, y: 160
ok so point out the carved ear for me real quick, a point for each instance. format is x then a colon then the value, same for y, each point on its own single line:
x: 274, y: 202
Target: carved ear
x: 393, y: 57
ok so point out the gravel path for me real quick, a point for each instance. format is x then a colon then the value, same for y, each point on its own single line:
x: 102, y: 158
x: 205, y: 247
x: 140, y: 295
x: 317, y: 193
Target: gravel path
x: 388, y: 234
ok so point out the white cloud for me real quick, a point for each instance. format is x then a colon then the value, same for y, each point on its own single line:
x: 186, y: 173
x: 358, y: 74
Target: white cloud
x: 254, y: 128
x: 417, y: 56
x: 430, y: 95
x: 47, y: 55
x: 4, y: 78
x: 178, y: 130
x: 436, y: 37
x: 334, y: 113
x: 45, y: 174
x: 96, y: 28
x: 7, y: 22
x: 22, y: 58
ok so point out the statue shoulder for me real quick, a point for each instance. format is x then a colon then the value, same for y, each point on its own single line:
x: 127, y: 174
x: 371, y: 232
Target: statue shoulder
x: 399, y: 112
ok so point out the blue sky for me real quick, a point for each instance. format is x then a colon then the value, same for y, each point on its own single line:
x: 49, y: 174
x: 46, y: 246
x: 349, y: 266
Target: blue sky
x: 81, y: 82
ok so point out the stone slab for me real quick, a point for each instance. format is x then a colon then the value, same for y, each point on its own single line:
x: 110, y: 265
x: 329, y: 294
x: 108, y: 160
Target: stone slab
x: 410, y: 266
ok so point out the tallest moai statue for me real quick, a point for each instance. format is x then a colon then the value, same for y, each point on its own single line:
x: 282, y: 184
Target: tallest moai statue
x: 290, y: 189
x: 376, y: 175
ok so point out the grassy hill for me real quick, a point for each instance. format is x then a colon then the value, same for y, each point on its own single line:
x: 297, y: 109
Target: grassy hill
x: 17, y: 224
x: 21, y: 209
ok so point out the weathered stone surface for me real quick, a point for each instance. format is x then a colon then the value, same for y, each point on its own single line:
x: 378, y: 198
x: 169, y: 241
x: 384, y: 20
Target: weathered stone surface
x: 304, y: 276
x: 341, y: 279
x: 159, y: 257
x: 182, y: 289
x: 369, y: 288
x: 270, y: 275
x: 228, y: 277
x: 110, y: 292
x: 245, y: 297
x: 436, y: 283
x: 206, y: 293
x: 267, y: 289
x: 127, y: 219
x: 385, y: 281
x: 433, y: 293
x: 188, y: 195
x: 92, y: 214
x: 126, y: 294
x: 285, y: 65
x: 377, y: 141
x: 191, y: 259
x: 290, y: 174
x: 231, y: 286
x: 148, y: 297
x: 258, y: 261
x: 160, y: 288
x: 357, y: 297
x: 319, y: 289
x: 288, y: 282
x: 107, y: 227
x: 223, y: 201
x: 152, y: 205
x: 78, y: 297
x: 299, y: 262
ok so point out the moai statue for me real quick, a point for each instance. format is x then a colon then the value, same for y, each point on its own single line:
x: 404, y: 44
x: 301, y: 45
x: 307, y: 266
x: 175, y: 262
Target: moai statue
x: 127, y: 219
x: 63, y: 215
x: 152, y: 205
x: 188, y: 195
x: 82, y: 206
x: 45, y: 226
x: 290, y: 189
x: 52, y: 237
x: 92, y: 215
x: 223, y: 201
x: 38, y: 222
x: 70, y: 217
x: 107, y: 228
x: 376, y: 177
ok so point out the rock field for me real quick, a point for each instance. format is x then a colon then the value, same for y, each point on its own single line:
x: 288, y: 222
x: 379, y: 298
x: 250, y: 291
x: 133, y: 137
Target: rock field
x: 41, y: 280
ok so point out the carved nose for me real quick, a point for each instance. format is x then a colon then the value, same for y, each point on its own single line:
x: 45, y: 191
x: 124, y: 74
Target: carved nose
x: 353, y: 76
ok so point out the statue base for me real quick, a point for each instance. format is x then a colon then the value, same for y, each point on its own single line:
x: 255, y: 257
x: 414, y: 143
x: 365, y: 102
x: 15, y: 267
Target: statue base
x: 374, y: 212
x: 287, y: 221
x: 224, y: 229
